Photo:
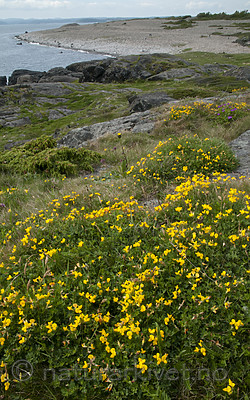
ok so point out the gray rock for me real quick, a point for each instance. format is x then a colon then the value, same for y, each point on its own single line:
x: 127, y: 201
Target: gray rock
x: 146, y: 101
x: 42, y: 100
x: 137, y: 122
x: 18, y: 122
x: 9, y: 112
x: 212, y: 68
x: 239, y: 72
x: 241, y: 149
x: 177, y: 74
x: 126, y: 68
x: 58, y: 78
x: 18, y: 73
x: 12, y: 144
x: 59, y: 113
x: 26, y: 79
x: 55, y: 89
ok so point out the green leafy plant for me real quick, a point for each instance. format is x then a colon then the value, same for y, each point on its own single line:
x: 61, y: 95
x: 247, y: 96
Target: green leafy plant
x: 184, y: 156
x: 41, y: 156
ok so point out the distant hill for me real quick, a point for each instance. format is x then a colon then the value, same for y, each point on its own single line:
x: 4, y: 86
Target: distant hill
x: 54, y: 20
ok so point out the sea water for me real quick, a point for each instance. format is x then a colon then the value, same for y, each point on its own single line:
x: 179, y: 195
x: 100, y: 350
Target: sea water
x: 34, y: 56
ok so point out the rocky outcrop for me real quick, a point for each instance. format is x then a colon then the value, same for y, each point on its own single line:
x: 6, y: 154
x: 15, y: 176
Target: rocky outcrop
x: 176, y: 74
x: 38, y: 94
x: 32, y: 76
x: 239, y: 72
x: 241, y: 148
x: 137, y: 122
x: 145, y: 101
x: 59, y: 74
x: 126, y: 68
x: 154, y: 67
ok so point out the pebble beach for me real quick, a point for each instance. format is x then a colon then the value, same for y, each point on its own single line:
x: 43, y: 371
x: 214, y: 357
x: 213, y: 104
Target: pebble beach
x: 143, y: 36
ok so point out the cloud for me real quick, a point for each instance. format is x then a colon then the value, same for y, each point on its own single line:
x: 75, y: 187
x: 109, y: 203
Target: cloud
x: 33, y: 3
x: 198, y: 5
x: 147, y: 4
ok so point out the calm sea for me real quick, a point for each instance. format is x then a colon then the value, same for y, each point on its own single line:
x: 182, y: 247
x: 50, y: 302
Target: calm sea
x: 33, y: 56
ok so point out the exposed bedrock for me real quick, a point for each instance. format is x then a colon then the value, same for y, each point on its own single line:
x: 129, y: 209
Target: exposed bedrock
x: 137, y: 122
x: 129, y: 68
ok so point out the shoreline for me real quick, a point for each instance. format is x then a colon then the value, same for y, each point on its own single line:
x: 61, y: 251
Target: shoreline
x: 66, y: 48
x: 142, y: 36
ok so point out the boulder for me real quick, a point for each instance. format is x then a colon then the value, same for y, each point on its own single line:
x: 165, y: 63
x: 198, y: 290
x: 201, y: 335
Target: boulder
x: 24, y: 79
x: 3, y: 81
x: 35, y: 76
x: 146, y: 101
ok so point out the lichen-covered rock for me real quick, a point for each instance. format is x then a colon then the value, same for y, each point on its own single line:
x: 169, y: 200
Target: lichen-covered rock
x: 177, y: 74
x: 137, y: 122
x: 145, y: 101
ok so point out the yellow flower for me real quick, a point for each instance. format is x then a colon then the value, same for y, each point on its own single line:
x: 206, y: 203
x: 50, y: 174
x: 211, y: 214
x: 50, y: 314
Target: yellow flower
x: 141, y: 365
x: 113, y: 352
x: 52, y: 326
x: 203, y: 351
x: 85, y: 365
x: 229, y: 388
x: 129, y: 334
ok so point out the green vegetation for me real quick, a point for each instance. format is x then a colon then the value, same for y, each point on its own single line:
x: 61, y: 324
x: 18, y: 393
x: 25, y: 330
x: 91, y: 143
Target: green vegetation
x: 209, y: 16
x: 181, y: 23
x: 129, y: 282
x: 243, y: 38
x: 202, y: 58
x: 94, y: 102
x: 185, y: 157
x: 187, y: 21
x: 41, y: 156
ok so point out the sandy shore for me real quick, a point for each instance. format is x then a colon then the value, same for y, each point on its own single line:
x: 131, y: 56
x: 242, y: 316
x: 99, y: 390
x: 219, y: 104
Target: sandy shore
x: 142, y: 36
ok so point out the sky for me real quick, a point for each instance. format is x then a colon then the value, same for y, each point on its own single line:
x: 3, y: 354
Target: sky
x: 115, y: 8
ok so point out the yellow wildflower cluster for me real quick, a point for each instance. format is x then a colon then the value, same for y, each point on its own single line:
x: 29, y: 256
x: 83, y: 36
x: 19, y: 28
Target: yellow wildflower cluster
x: 122, y: 282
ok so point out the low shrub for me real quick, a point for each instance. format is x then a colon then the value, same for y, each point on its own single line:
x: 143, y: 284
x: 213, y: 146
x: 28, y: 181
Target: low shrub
x: 41, y: 156
x: 184, y: 156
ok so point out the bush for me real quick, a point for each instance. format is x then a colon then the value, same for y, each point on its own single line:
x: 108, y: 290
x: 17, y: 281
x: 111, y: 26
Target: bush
x: 41, y: 156
x: 184, y: 156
